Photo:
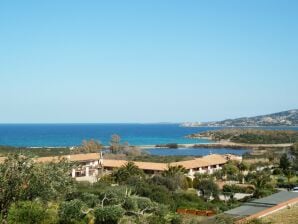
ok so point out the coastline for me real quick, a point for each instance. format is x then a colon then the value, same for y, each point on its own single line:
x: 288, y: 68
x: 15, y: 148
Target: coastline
x: 218, y: 144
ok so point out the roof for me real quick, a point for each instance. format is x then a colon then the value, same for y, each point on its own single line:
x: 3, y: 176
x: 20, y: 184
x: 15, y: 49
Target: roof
x: 204, y: 161
x: 73, y: 158
x: 255, y: 206
x: 141, y: 165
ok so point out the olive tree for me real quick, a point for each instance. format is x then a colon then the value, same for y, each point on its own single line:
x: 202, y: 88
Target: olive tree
x: 23, y: 179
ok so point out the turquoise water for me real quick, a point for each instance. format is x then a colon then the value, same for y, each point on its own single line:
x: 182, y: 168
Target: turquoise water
x: 55, y: 135
x: 37, y: 135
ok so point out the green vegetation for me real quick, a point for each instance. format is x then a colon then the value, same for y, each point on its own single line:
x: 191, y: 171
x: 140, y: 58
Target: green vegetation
x: 38, y: 152
x: 251, y: 136
x: 127, y: 194
x: 45, y: 193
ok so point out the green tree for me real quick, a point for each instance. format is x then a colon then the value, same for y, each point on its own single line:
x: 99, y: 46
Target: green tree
x: 29, y: 212
x: 261, y: 181
x: 230, y: 170
x: 174, y: 170
x: 23, y: 179
x: 208, y: 188
x: 108, y: 214
x: 175, y: 174
x: 243, y: 166
x: 294, y: 154
x: 72, y: 212
x: 126, y: 171
x: 289, y: 173
x: 284, y: 162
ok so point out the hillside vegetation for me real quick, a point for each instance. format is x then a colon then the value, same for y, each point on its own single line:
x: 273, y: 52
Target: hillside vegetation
x: 251, y: 136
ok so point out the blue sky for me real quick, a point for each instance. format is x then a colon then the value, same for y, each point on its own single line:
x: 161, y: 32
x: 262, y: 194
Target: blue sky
x: 146, y: 61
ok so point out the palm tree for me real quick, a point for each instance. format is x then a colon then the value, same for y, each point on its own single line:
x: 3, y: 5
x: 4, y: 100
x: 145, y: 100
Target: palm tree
x: 261, y: 182
x: 174, y: 170
x: 126, y: 171
x: 243, y: 167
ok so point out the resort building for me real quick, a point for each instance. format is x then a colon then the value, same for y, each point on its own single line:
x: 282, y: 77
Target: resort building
x: 90, y: 165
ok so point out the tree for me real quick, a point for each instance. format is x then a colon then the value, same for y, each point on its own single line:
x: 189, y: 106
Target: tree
x: 115, y: 143
x: 243, y: 167
x: 108, y: 214
x: 230, y: 170
x: 289, y: 173
x: 126, y: 171
x: 294, y: 154
x: 174, y: 170
x: 23, y: 179
x: 261, y: 181
x: 284, y: 162
x: 72, y: 212
x: 88, y: 146
x: 176, y: 175
x: 29, y: 212
x: 208, y: 188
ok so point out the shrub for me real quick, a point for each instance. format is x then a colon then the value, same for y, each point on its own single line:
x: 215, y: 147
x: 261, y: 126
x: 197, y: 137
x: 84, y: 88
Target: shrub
x: 277, y: 171
x: 71, y: 212
x: 91, y: 200
x: 27, y: 212
x: 108, y: 214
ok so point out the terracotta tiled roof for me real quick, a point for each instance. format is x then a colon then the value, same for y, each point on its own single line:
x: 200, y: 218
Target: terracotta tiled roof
x: 190, y: 164
x: 73, y: 158
x: 142, y: 165
x: 204, y: 161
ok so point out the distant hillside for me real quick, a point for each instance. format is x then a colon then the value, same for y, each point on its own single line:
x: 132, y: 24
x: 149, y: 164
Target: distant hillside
x: 285, y: 118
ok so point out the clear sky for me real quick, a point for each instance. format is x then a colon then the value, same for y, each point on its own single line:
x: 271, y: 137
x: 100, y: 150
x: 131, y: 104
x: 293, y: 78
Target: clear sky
x: 146, y: 61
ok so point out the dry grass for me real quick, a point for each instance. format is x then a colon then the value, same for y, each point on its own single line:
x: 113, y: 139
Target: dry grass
x: 284, y: 216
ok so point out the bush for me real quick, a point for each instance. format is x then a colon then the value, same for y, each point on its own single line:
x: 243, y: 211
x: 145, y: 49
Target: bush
x: 287, y: 185
x: 277, y: 171
x: 108, y: 214
x: 28, y: 212
x: 71, y: 212
x: 237, y: 189
x: 91, y: 200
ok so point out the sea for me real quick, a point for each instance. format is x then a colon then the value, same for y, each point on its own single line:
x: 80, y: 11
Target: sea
x: 67, y: 135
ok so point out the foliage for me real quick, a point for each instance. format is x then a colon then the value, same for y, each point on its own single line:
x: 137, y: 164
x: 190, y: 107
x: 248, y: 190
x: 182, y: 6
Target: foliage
x: 115, y: 143
x: 108, y: 214
x: 289, y: 173
x: 22, y: 179
x: 71, y: 212
x: 126, y: 171
x: 29, y: 212
x: 208, y: 188
x: 91, y: 200
x: 220, y: 219
x: 262, y: 183
x: 257, y: 221
x: 294, y: 154
x: 252, y: 136
x: 88, y: 146
x: 39, y: 152
x: 174, y: 170
x: 284, y: 162
x: 227, y: 188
